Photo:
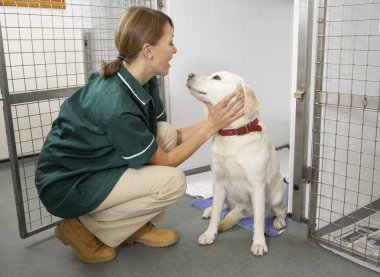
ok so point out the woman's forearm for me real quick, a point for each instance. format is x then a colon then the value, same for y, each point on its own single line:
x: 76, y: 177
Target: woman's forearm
x: 185, y: 133
x: 183, y: 151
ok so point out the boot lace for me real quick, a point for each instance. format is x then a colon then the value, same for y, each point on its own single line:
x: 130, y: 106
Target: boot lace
x: 150, y: 226
x: 94, y: 240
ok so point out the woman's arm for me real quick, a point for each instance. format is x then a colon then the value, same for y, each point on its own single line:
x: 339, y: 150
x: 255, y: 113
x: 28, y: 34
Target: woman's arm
x: 185, y: 133
x: 194, y: 136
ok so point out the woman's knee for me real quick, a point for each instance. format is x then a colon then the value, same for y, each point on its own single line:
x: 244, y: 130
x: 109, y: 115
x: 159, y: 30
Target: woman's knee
x: 174, y: 187
x: 180, y: 181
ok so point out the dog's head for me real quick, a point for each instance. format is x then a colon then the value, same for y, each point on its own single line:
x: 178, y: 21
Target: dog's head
x: 215, y: 87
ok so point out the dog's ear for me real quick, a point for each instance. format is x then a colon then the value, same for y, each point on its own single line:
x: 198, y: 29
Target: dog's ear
x: 251, y: 104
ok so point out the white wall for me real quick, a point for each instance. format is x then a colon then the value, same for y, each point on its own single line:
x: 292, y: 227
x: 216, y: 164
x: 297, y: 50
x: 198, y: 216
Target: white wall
x: 250, y: 38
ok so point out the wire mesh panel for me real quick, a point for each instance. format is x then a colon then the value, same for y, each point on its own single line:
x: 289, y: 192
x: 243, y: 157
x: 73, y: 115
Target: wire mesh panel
x: 345, y: 183
x: 47, y: 51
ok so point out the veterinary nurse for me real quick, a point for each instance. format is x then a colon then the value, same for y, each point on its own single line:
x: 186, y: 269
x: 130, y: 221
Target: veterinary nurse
x: 108, y: 165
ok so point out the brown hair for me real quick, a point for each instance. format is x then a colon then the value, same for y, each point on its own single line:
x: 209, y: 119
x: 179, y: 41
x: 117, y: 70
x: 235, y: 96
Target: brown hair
x: 137, y: 26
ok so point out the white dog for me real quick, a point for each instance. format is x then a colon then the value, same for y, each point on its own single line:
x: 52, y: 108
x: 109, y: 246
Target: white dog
x: 245, y: 166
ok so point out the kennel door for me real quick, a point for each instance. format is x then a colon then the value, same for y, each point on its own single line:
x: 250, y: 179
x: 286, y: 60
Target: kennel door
x: 47, y: 53
x: 345, y: 143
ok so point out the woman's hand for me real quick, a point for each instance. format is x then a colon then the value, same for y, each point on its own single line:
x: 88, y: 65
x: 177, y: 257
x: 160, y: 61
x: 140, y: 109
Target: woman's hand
x: 225, y: 112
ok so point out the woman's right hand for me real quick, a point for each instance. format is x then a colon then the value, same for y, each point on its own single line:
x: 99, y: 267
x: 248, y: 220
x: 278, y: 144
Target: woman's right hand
x: 225, y: 112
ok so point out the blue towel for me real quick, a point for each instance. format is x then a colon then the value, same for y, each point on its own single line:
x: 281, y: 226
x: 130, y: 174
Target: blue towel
x: 247, y: 222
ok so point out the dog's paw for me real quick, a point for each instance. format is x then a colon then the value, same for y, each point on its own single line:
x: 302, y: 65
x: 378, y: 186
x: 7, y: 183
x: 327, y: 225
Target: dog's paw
x: 207, y: 213
x: 206, y: 238
x: 279, y: 223
x: 259, y: 249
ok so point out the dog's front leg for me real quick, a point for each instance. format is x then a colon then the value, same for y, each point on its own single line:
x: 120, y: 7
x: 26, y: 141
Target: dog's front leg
x: 219, y: 198
x: 259, y: 246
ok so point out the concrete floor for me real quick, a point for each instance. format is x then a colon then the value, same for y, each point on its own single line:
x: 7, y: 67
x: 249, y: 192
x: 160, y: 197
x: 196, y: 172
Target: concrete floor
x: 290, y: 254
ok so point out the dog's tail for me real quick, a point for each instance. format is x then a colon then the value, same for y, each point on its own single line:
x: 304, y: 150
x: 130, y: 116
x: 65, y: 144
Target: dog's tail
x: 231, y: 219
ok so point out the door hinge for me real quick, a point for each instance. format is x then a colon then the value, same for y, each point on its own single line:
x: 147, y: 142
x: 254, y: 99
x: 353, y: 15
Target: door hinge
x: 160, y: 3
x: 309, y: 174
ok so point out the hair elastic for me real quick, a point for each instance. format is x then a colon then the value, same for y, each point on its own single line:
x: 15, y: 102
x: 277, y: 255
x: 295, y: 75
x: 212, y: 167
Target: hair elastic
x: 120, y: 56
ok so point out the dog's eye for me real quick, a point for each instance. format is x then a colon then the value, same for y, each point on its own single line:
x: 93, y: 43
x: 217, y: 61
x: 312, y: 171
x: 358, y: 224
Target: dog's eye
x: 216, y: 77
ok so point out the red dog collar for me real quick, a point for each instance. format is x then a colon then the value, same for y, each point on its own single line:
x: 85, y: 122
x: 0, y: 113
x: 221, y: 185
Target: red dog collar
x: 253, y: 126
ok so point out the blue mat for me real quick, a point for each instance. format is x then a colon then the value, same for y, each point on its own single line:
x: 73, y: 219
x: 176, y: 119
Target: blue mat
x: 247, y: 222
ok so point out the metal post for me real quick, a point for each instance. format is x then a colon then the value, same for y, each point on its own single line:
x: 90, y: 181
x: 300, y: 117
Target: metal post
x: 302, y: 95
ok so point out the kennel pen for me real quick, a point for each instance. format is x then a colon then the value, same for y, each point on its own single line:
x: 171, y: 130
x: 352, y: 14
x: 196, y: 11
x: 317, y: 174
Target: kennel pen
x: 337, y: 155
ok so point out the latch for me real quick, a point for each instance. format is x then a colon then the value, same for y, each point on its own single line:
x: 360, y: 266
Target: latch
x: 299, y: 94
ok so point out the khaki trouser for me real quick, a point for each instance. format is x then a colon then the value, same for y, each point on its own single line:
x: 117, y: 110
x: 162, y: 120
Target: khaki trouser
x: 141, y: 195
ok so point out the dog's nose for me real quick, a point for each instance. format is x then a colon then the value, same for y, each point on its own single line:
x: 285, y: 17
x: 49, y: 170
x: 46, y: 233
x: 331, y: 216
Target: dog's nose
x: 191, y: 75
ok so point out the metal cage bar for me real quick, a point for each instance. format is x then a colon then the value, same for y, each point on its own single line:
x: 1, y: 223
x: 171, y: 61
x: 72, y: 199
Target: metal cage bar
x: 316, y: 122
x: 46, y: 55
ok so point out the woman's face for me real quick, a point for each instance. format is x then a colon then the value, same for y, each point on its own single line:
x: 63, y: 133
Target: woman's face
x: 163, y: 51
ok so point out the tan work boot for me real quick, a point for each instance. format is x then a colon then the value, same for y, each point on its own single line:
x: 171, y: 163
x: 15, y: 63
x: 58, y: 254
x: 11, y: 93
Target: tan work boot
x: 152, y: 237
x: 88, y: 248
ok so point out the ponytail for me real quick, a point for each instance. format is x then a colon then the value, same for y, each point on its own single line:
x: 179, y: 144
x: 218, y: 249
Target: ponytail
x: 110, y: 68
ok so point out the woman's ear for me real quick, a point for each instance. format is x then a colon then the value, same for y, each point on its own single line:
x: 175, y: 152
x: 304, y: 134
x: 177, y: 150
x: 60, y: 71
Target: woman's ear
x: 251, y: 104
x: 147, y: 51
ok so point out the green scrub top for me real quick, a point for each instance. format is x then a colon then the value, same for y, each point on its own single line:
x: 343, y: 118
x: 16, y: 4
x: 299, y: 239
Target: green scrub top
x: 104, y: 128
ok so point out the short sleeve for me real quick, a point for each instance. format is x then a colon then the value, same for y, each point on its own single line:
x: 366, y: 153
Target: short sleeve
x: 160, y: 110
x: 161, y: 114
x: 132, y: 139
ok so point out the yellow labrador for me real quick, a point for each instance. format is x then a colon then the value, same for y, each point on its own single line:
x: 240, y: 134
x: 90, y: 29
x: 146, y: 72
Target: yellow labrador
x: 245, y: 166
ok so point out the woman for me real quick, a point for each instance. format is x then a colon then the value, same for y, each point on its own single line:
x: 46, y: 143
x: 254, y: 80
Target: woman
x: 108, y: 165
